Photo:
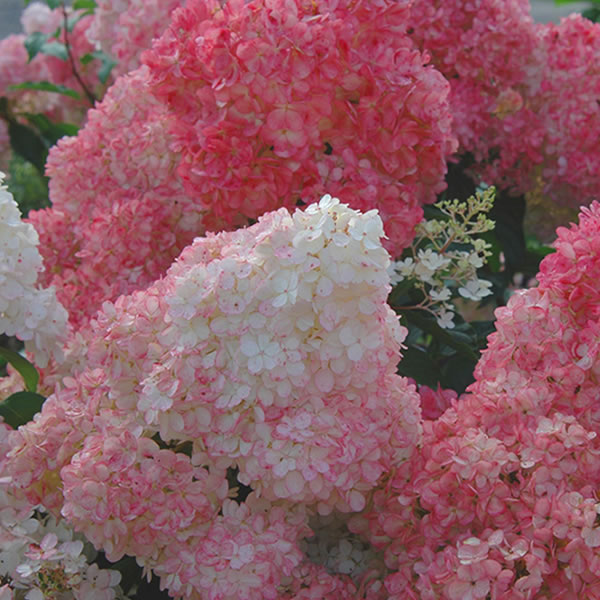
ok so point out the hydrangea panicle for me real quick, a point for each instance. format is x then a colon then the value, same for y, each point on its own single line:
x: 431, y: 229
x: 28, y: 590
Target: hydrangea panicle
x: 270, y: 352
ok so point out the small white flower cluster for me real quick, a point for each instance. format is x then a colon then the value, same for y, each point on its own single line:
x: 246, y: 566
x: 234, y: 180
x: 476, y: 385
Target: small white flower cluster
x: 30, y: 313
x: 438, y: 263
x: 41, y: 559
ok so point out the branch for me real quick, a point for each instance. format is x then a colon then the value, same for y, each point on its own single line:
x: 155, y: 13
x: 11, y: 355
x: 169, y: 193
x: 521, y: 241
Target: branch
x: 89, y: 94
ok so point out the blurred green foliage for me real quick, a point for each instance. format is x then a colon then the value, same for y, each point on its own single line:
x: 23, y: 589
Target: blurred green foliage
x: 592, y: 12
x: 28, y: 187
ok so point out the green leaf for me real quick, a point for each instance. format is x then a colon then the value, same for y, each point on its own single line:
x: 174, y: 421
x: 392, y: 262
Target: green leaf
x: 57, y: 49
x: 457, y: 373
x: 592, y: 14
x: 461, y: 342
x: 536, y: 247
x: 74, y: 19
x: 37, y: 43
x: 56, y: 33
x: 27, y: 185
x: 482, y: 329
x: 20, y: 408
x: 508, y: 212
x: 493, y: 260
x: 84, y: 4
x: 27, y: 371
x: 51, y: 132
x: 34, y: 42
x: 86, y: 59
x: 28, y: 144
x: 53, y: 3
x: 46, y: 86
x: 419, y: 365
x: 106, y: 67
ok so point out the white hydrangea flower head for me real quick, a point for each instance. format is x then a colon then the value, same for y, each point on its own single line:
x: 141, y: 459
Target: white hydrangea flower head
x: 287, y: 321
x: 32, y: 314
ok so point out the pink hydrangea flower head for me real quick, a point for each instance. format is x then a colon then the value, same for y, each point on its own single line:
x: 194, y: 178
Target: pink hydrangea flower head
x: 275, y: 102
x: 522, y: 95
x: 544, y: 355
x: 566, y: 101
x: 481, y: 48
x: 119, y: 214
x: 509, y: 472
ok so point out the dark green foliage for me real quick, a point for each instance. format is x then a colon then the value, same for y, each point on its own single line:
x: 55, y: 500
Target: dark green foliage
x: 20, y: 408
x: 27, y: 371
x: 132, y: 579
x: 28, y: 187
x: 46, y: 86
x: 448, y: 357
x: 592, y: 12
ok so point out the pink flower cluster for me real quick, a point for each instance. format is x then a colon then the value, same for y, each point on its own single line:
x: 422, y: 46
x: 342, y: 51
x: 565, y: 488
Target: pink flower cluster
x: 265, y: 358
x: 502, y: 500
x: 275, y: 102
x: 523, y: 96
x: 484, y: 49
x: 119, y: 215
x: 567, y: 104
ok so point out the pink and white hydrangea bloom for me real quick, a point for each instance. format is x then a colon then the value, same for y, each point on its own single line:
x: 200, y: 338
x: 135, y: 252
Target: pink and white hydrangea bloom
x: 269, y: 353
x: 262, y: 111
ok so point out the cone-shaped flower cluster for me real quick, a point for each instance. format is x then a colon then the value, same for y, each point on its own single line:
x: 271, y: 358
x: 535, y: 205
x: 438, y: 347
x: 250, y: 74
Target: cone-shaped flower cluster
x: 268, y: 353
